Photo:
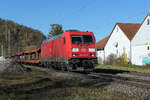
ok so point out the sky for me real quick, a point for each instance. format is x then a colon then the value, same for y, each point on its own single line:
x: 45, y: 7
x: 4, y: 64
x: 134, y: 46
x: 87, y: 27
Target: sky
x: 97, y: 16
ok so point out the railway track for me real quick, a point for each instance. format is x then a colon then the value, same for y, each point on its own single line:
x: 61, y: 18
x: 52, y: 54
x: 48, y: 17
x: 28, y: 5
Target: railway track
x: 121, y: 78
x: 141, y: 83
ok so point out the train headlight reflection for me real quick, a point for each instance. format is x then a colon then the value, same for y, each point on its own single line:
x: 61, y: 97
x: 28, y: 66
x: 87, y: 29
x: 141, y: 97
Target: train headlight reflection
x: 91, y: 49
x: 75, y: 49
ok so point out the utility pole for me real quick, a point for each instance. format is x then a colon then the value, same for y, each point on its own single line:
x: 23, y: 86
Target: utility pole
x: 8, y: 43
x: 26, y: 35
x: 2, y: 50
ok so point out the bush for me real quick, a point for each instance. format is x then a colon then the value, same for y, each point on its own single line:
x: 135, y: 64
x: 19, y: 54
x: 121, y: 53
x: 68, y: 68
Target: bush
x: 130, y: 63
x: 100, y: 60
x: 124, y: 58
x: 147, y: 65
x: 112, y: 59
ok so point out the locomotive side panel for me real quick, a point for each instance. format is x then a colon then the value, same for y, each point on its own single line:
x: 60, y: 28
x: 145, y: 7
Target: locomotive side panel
x: 66, y: 47
x: 51, y: 51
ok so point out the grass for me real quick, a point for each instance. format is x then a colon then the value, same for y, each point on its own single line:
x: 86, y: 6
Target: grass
x: 74, y: 93
x: 142, y: 69
x: 36, y: 85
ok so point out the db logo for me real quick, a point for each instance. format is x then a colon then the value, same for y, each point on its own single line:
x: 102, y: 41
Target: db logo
x: 83, y: 50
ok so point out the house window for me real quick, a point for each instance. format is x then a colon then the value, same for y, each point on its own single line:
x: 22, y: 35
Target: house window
x: 117, y: 29
x: 148, y: 48
x: 116, y: 44
x: 148, y: 21
x: 117, y: 51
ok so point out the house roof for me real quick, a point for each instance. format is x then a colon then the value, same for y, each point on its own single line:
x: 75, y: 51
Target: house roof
x: 102, y: 43
x: 145, y: 18
x: 129, y: 29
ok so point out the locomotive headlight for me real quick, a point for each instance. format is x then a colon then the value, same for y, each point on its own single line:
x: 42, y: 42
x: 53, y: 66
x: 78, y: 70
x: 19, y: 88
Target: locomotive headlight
x: 92, y: 55
x: 91, y: 49
x: 75, y: 49
x: 74, y: 55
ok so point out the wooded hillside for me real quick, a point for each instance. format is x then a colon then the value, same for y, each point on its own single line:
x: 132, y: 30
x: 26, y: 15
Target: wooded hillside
x: 21, y: 37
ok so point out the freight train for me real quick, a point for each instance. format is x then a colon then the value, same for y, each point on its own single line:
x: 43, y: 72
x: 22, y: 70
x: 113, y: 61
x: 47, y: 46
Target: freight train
x: 72, y: 50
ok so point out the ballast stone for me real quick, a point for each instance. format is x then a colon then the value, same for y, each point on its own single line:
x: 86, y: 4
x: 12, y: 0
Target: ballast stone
x: 10, y: 66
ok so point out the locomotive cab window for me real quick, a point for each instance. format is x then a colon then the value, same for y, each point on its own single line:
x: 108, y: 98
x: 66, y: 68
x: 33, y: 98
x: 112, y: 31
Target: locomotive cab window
x: 87, y: 39
x: 76, y: 39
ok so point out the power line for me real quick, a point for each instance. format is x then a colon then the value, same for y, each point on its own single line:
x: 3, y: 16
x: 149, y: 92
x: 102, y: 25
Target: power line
x: 81, y: 8
x: 145, y: 11
x: 135, y: 16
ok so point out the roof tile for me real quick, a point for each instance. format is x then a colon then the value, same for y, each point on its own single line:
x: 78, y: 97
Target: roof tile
x: 129, y: 29
x: 102, y: 43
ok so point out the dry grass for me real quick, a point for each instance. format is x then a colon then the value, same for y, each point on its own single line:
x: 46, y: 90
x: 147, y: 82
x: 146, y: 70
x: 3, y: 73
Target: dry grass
x: 37, y: 85
x: 73, y: 93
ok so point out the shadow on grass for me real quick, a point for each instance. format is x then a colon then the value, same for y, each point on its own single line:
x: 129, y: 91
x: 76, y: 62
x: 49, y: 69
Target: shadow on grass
x: 47, y: 84
x: 109, y: 71
x: 49, y: 89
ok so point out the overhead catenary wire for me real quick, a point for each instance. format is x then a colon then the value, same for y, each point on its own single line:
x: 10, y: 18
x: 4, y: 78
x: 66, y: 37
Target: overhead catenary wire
x: 77, y: 12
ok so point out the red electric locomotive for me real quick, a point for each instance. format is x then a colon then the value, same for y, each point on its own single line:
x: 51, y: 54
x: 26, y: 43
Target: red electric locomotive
x: 71, y: 50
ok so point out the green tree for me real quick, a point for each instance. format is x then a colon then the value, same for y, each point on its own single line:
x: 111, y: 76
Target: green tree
x: 56, y: 29
x: 21, y: 37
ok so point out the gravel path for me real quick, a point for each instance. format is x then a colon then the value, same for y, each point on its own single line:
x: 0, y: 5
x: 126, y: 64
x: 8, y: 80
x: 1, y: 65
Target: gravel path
x: 131, y: 90
x: 10, y: 66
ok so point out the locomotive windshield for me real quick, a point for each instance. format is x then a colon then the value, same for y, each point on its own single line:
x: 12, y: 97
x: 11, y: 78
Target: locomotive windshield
x: 81, y: 39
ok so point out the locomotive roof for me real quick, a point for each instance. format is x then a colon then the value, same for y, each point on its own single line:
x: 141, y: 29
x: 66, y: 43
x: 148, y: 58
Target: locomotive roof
x: 54, y: 37
x: 58, y: 36
x: 73, y: 30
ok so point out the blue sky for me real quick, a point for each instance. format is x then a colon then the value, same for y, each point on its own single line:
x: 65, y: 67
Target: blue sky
x: 98, y: 16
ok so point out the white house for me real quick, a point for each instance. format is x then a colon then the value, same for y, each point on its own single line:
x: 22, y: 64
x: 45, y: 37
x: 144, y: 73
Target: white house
x: 101, y: 48
x: 141, y: 43
x: 133, y: 39
x: 118, y: 41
